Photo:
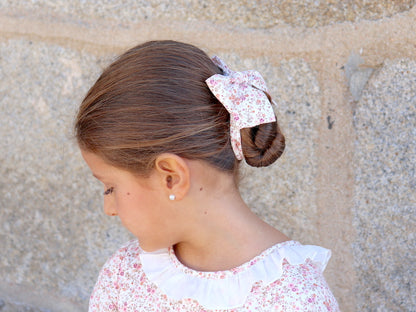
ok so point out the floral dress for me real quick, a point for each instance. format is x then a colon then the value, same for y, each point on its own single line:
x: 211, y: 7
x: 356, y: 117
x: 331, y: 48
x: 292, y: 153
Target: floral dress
x: 285, y: 277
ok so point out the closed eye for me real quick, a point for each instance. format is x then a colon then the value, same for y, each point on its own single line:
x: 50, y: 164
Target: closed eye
x: 108, y: 191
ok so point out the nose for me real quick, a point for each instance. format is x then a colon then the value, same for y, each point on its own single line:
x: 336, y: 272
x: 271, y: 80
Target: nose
x: 109, y: 207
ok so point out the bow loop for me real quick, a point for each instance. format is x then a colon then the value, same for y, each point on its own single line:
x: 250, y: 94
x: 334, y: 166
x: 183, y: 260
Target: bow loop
x: 246, y: 98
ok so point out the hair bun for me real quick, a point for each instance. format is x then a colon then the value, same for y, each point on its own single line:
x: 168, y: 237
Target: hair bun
x: 262, y: 145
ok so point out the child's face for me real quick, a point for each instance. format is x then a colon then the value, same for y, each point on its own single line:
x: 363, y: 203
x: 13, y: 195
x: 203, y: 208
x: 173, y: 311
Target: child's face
x: 139, y: 202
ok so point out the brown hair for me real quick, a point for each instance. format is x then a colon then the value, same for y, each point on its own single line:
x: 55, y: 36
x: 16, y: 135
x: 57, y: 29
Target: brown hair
x: 154, y: 99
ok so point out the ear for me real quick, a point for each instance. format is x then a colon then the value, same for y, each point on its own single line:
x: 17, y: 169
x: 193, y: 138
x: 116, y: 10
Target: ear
x: 174, y: 174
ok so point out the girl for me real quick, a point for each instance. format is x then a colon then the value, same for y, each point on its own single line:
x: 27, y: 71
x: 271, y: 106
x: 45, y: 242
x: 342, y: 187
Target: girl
x: 164, y: 129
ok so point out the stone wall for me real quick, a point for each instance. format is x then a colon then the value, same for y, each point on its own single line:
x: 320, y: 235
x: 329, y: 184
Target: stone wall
x: 343, y: 74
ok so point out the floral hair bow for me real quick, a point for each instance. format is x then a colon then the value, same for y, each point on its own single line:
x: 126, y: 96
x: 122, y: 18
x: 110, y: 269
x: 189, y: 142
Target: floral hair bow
x: 246, y: 98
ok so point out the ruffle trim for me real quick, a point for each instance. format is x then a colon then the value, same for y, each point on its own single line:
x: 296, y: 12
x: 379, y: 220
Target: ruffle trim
x: 179, y: 282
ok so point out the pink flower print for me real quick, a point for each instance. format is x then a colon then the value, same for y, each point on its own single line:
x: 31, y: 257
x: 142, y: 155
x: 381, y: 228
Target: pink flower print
x: 243, y: 86
x: 328, y: 305
x: 312, y: 299
x: 295, y: 290
x: 233, y: 97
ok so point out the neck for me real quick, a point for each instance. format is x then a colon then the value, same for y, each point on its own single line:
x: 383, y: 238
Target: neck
x: 225, y: 234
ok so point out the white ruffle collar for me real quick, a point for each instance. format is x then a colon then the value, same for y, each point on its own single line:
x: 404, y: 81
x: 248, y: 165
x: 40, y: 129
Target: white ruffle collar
x: 212, y: 289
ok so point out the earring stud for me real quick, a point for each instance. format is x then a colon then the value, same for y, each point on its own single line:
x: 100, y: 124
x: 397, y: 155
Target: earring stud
x: 172, y: 197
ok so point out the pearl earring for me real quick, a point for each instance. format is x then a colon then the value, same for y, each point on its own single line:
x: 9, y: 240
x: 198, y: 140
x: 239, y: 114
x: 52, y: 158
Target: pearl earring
x: 172, y: 197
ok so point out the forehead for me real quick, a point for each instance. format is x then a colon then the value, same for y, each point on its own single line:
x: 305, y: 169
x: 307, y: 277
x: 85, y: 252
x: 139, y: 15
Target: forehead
x: 99, y: 167
x: 93, y: 160
x: 105, y: 172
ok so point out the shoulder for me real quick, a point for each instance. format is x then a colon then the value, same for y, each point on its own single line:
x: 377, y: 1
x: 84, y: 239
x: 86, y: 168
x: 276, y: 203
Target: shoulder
x: 105, y: 295
x: 115, y: 267
x: 126, y: 255
x: 131, y: 249
x: 301, y: 285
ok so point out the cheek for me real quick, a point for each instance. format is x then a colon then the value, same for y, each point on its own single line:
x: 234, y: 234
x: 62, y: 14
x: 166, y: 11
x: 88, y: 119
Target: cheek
x: 136, y: 215
x: 125, y: 202
x: 131, y: 204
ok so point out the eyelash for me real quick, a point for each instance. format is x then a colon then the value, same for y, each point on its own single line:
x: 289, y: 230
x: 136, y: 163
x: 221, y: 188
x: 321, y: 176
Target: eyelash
x: 108, y: 191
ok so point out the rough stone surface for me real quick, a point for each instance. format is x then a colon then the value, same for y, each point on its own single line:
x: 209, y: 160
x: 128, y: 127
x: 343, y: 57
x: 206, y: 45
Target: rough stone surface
x: 57, y: 235
x: 53, y: 235
x: 357, y: 75
x: 13, y: 307
x: 385, y: 200
x: 251, y: 13
x: 284, y: 193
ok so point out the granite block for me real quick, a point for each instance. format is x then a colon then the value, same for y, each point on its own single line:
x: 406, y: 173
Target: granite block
x: 385, y: 191
x: 53, y: 235
x: 284, y: 194
x: 244, y: 13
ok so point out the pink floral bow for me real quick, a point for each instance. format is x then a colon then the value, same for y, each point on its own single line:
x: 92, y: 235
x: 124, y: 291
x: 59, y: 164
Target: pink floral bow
x: 246, y: 98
